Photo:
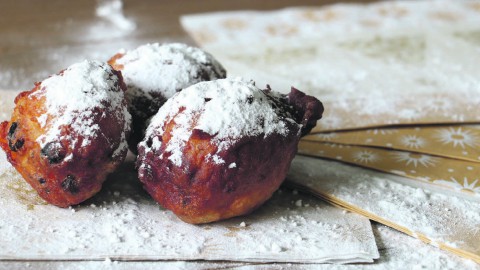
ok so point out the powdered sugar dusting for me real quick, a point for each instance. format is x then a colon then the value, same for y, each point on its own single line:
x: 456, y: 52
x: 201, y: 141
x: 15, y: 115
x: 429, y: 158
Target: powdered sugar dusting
x: 215, y: 158
x: 443, y: 219
x: 131, y: 226
x: 227, y: 109
x: 112, y: 10
x: 4, y: 164
x: 73, y: 95
x: 385, y: 61
x: 166, y: 68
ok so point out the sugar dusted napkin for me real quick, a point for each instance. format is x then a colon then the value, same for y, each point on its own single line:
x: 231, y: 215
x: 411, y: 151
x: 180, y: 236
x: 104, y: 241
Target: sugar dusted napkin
x: 385, y: 63
x: 449, y: 222
x: 123, y: 222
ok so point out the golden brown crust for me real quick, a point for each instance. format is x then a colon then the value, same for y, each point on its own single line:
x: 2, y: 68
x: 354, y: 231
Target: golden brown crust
x: 62, y: 174
x: 235, y: 167
x: 201, y: 191
x: 113, y: 61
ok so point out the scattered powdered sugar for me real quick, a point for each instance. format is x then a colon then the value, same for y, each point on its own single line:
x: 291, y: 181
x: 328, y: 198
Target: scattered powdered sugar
x: 166, y: 68
x: 386, y: 61
x: 42, y: 120
x: 443, y: 218
x: 228, y: 109
x: 298, y: 203
x: 6, y: 104
x: 131, y: 226
x: 4, y: 164
x: 71, y: 98
x: 397, y: 251
x: 112, y: 10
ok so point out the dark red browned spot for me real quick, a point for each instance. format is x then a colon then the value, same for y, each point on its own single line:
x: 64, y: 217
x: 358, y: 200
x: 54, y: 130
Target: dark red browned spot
x: 200, y: 134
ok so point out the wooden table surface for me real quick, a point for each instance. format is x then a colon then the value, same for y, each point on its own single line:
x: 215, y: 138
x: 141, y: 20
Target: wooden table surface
x: 39, y: 38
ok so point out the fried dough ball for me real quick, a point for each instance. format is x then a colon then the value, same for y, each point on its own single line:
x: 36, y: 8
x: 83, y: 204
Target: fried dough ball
x: 220, y: 149
x: 153, y: 73
x: 69, y: 132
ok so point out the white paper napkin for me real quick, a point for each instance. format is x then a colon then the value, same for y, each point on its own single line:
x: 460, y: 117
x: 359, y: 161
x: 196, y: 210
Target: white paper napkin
x: 123, y: 222
x: 434, y: 216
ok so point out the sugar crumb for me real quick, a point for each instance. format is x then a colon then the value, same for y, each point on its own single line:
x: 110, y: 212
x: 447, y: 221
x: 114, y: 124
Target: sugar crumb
x: 298, y: 203
x: 276, y: 248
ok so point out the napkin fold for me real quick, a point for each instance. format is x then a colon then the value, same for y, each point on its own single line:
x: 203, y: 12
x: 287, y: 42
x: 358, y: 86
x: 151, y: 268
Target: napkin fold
x: 453, y: 141
x: 458, y: 175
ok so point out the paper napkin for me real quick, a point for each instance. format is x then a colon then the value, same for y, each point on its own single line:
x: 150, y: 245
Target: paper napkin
x: 391, y: 62
x: 456, y: 142
x: 459, y: 175
x: 449, y: 222
x: 124, y: 223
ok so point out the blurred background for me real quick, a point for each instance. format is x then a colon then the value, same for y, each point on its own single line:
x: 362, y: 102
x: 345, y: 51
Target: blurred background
x: 39, y: 38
